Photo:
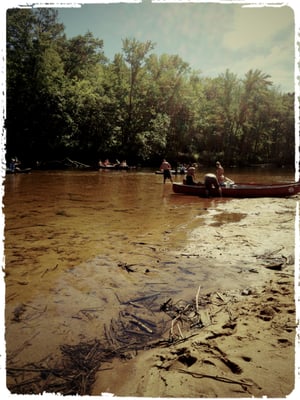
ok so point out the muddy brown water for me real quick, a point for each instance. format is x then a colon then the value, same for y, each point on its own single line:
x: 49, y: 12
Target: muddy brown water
x: 70, y: 235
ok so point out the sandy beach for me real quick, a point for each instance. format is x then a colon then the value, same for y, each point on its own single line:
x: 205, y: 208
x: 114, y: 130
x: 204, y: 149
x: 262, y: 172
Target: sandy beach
x: 246, y: 347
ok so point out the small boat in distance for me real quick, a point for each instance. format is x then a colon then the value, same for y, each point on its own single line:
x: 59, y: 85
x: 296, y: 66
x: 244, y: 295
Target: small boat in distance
x: 240, y: 190
x: 14, y: 167
x: 18, y: 170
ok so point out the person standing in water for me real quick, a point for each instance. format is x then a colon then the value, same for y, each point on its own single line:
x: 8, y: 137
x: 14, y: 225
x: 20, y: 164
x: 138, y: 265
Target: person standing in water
x: 166, y: 168
x: 220, y: 173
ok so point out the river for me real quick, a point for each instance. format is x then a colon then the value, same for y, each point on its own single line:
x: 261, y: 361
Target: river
x: 78, y: 244
x: 67, y: 218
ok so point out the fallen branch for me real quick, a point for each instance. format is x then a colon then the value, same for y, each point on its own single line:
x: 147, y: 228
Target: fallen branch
x: 216, y: 377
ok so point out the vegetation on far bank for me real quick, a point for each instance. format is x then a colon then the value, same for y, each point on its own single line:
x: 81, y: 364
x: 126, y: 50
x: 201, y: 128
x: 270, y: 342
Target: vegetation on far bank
x: 65, y: 98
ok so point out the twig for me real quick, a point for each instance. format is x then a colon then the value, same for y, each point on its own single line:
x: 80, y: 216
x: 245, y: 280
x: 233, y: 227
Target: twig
x: 216, y: 377
x: 137, y: 305
x: 179, y: 330
x: 189, y: 255
x: 284, y: 273
x: 197, y: 298
x: 172, y: 324
x: 140, y: 324
x: 220, y: 296
x: 25, y: 369
x: 21, y: 348
x: 24, y: 383
x: 143, y: 298
x: 46, y: 270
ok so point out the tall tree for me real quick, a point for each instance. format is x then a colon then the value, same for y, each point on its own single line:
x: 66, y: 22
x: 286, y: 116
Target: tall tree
x: 20, y: 67
x: 82, y: 55
x: 168, y: 94
x: 135, y: 54
x: 253, y: 113
x: 32, y: 53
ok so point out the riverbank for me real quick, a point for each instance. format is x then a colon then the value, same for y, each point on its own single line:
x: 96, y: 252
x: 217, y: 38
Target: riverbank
x: 246, y: 346
x: 232, y: 260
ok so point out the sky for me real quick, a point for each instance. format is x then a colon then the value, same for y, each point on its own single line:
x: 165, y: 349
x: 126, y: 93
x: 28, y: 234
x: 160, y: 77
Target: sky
x: 211, y: 37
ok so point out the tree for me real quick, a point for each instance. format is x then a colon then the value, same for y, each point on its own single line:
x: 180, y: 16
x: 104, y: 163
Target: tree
x: 84, y: 63
x: 135, y: 56
x: 33, y: 40
x: 253, y: 116
x: 82, y: 56
x: 167, y: 93
x: 282, y: 128
x: 20, y: 66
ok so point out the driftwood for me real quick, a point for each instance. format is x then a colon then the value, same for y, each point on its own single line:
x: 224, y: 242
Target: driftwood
x: 74, y: 375
x: 76, y: 164
x: 63, y: 164
x: 141, y: 324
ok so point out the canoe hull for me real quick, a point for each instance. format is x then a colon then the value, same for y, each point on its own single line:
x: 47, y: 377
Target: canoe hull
x: 240, y: 190
x: 115, y: 167
x: 18, y: 171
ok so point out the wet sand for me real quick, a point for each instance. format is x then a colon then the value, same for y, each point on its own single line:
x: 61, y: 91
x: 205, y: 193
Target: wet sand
x: 247, y: 347
x: 66, y: 281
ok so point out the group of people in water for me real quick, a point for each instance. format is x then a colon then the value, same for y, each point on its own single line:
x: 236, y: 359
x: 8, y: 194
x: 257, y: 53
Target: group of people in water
x: 211, y: 181
x: 107, y: 163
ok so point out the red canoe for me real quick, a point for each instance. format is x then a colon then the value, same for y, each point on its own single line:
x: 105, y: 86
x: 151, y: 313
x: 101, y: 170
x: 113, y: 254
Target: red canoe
x: 241, y: 190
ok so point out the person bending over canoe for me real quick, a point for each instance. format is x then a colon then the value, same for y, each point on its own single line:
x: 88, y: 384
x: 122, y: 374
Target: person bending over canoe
x: 211, y: 182
x: 166, y: 168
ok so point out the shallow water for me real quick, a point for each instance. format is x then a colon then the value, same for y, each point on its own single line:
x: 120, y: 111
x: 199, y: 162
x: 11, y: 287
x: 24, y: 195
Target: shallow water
x: 82, y: 247
x: 69, y: 218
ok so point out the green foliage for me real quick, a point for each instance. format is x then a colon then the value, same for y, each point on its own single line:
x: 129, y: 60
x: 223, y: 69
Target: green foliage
x: 65, y: 98
x: 153, y: 142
